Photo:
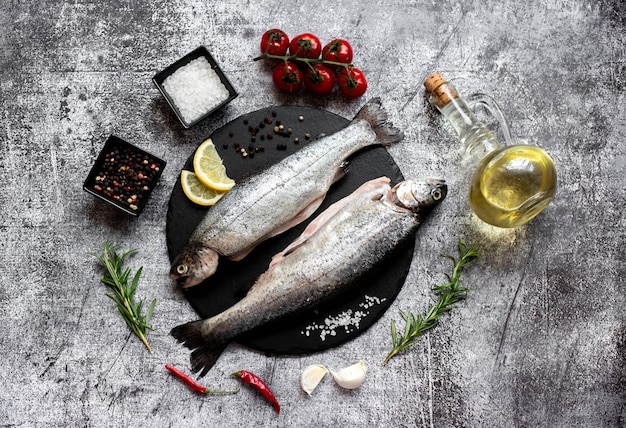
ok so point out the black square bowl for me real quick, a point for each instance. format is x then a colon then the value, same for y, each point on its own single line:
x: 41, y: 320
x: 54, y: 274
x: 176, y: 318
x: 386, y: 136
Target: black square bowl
x: 124, y: 175
x: 160, y: 77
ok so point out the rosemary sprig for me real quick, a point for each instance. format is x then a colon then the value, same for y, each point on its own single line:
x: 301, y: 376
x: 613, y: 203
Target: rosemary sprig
x: 123, y: 293
x: 449, y: 294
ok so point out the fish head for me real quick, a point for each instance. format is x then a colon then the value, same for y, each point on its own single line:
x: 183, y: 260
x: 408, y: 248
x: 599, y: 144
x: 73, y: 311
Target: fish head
x: 419, y: 196
x: 194, y: 265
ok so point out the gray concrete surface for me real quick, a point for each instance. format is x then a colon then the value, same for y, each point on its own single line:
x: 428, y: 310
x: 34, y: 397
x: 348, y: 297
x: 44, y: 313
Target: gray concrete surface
x: 540, y: 341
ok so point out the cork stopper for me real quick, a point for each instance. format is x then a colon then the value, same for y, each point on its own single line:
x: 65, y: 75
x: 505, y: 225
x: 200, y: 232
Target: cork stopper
x: 441, y: 92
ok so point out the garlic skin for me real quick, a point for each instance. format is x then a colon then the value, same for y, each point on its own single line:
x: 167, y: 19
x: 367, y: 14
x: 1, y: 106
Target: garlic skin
x: 351, y: 377
x: 311, y: 377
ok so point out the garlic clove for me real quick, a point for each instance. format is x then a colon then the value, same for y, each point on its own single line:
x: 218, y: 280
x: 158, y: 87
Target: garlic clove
x: 351, y: 377
x: 311, y: 377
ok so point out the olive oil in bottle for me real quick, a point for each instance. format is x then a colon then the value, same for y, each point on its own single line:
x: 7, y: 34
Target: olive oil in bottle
x: 511, y: 184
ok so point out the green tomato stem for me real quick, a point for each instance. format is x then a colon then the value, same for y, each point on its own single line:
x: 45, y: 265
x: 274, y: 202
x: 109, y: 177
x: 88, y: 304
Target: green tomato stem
x: 299, y: 59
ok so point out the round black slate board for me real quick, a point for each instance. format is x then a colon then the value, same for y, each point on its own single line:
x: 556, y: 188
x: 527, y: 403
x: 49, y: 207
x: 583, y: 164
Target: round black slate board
x: 298, y: 334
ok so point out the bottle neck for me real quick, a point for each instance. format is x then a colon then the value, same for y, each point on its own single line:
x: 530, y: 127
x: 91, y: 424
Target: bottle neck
x: 477, y: 139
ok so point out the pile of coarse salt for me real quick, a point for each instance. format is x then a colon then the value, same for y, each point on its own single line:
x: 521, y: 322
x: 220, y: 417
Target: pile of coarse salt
x: 195, y: 88
x: 348, y: 320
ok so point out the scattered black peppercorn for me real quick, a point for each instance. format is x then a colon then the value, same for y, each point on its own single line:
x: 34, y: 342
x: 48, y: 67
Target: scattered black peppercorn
x: 276, y: 128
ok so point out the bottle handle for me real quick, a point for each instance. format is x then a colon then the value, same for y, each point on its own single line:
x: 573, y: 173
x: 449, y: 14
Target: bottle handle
x: 483, y: 100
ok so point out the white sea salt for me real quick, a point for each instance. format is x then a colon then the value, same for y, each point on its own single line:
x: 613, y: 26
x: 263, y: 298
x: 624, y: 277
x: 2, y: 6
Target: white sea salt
x: 347, y: 320
x: 195, y: 88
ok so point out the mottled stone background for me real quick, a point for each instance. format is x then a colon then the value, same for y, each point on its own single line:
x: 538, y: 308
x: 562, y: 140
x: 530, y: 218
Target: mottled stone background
x: 541, y: 339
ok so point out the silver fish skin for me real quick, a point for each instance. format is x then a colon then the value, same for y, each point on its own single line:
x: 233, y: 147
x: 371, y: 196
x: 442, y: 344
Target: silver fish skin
x: 279, y: 198
x: 339, y: 246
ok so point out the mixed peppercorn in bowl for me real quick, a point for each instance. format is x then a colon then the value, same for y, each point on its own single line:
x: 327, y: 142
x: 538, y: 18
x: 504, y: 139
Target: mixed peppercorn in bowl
x: 124, y: 175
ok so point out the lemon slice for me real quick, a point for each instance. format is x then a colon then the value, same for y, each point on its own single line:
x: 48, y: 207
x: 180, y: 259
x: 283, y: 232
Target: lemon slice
x: 209, y: 169
x: 197, y: 192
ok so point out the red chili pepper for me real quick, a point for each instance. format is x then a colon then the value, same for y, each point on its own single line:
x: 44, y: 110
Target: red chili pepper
x: 254, y: 380
x: 195, y: 385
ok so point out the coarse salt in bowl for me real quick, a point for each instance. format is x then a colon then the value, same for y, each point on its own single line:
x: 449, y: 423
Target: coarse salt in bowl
x: 194, y: 87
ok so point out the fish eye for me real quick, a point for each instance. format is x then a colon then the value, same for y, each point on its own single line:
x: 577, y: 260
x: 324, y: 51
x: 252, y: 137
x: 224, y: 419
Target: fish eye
x: 436, y: 194
x: 182, y: 269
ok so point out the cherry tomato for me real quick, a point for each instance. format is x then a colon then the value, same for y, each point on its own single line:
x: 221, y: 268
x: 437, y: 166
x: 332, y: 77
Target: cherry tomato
x: 351, y: 82
x: 319, y: 79
x: 338, y: 50
x: 287, y: 77
x: 274, y: 42
x: 305, y: 45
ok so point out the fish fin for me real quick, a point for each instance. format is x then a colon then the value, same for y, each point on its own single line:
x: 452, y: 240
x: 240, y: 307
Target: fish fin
x: 237, y: 257
x: 374, y: 113
x: 341, y: 171
x: 204, y: 354
x: 189, y: 334
x: 203, y: 358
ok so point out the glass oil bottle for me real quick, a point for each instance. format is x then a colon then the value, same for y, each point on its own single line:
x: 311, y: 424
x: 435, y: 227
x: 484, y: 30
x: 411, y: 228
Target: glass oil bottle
x: 512, y: 183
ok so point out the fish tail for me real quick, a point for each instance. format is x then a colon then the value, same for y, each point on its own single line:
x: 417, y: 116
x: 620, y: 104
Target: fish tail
x: 204, y: 353
x: 374, y: 113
